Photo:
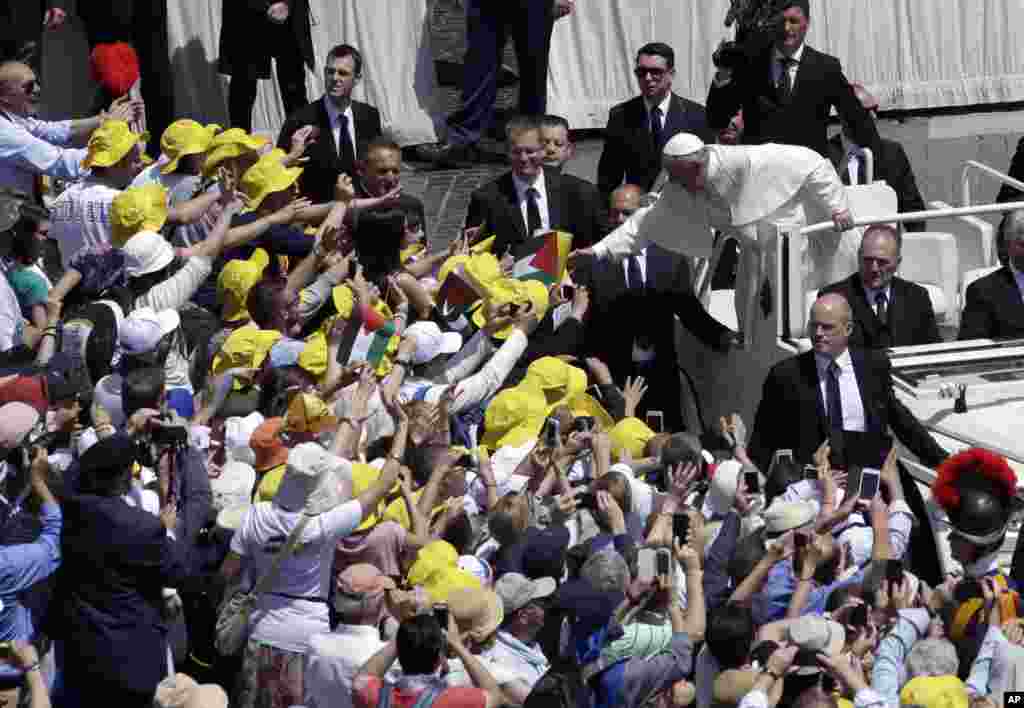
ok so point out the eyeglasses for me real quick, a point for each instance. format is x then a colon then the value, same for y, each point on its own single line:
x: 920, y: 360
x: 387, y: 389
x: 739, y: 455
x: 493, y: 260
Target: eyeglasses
x: 642, y: 71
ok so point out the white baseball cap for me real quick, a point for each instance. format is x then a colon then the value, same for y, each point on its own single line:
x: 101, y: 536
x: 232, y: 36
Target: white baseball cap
x: 142, y: 330
x: 722, y: 492
x: 431, y: 341
x: 146, y: 252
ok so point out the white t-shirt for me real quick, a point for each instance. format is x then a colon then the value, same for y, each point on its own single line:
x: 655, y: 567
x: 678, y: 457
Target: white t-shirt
x: 280, y: 619
x: 80, y: 218
x: 333, y: 661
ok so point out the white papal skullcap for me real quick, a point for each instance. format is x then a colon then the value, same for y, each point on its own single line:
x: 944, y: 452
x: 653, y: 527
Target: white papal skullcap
x: 683, y: 145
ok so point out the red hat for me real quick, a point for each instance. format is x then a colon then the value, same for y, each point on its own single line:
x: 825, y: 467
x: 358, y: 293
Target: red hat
x: 115, y: 67
x: 978, y: 491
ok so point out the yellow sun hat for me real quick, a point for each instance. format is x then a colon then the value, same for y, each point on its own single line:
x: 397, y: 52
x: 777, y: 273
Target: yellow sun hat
x: 560, y: 382
x: 231, y: 143
x: 436, y: 570
x: 245, y: 348
x: 513, y: 417
x: 235, y: 281
x: 137, y: 209
x: 266, y: 177
x: 307, y: 413
x: 630, y: 435
x: 109, y: 143
x: 185, y: 137
x: 935, y: 692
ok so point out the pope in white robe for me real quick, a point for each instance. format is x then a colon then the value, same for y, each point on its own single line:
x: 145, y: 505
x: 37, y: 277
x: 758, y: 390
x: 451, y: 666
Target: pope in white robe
x: 732, y: 188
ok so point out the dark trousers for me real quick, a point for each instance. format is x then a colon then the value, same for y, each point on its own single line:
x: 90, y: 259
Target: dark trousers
x: 144, y: 26
x: 291, y: 79
x: 488, y: 26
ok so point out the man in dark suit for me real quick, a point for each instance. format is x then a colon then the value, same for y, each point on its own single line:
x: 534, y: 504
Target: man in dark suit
x: 116, y: 561
x: 340, y: 123
x: 994, y: 306
x: 488, y: 25
x: 639, y: 128
x: 631, y: 323
x: 887, y: 311
x: 252, y: 33
x: 787, y: 90
x: 534, y: 198
x: 829, y: 391
x: 890, y: 163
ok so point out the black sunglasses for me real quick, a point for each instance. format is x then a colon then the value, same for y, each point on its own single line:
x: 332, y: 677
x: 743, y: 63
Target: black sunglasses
x: 641, y: 71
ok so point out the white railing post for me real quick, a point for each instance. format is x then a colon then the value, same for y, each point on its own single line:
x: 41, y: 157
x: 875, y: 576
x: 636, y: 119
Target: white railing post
x: 922, y: 215
x: 965, y: 181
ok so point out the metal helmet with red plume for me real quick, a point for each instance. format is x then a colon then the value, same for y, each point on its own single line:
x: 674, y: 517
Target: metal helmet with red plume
x: 978, y: 491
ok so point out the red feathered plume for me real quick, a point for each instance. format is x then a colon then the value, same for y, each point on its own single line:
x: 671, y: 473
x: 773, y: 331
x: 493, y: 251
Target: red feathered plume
x: 972, y: 461
x: 115, y: 67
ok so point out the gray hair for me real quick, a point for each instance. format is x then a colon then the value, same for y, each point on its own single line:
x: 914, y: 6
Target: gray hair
x: 932, y: 657
x: 606, y: 571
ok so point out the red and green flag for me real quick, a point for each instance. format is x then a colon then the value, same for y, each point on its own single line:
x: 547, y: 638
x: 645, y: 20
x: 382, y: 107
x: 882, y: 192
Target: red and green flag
x: 545, y: 258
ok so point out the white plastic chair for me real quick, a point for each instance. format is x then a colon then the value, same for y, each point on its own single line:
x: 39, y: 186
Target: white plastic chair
x: 931, y: 259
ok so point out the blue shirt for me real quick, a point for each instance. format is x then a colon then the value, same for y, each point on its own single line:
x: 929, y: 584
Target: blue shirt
x: 21, y: 567
x: 30, y: 147
x: 771, y: 604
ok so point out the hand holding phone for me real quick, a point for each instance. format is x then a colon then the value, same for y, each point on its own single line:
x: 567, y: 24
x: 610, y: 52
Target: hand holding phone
x: 664, y: 559
x: 551, y: 432
x: 869, y: 480
x: 681, y: 527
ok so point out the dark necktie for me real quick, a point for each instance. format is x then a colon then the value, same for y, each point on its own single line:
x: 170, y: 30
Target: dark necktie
x: 834, y: 405
x: 636, y: 276
x: 882, y: 308
x: 785, y: 82
x: 345, y: 150
x: 657, y: 130
x: 533, y: 222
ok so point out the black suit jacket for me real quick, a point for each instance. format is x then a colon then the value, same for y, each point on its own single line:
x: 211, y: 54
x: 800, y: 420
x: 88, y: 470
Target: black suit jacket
x: 325, y: 164
x: 617, y: 316
x: 993, y: 308
x: 820, y: 85
x: 891, y: 165
x: 911, y: 317
x: 247, y: 35
x: 629, y: 153
x: 791, y: 414
x: 574, y: 206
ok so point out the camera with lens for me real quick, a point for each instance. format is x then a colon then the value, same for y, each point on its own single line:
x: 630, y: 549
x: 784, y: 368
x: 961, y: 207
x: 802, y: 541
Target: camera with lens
x: 757, y: 22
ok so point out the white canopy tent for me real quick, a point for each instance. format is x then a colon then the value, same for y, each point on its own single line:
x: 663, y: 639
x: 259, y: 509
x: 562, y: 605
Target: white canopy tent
x: 910, y: 53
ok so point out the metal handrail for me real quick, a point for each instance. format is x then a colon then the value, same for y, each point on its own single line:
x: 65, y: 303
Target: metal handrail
x: 921, y: 215
x: 965, y: 182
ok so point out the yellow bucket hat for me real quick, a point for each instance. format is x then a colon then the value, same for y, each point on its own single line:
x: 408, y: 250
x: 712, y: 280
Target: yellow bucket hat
x: 559, y: 381
x: 245, y: 348
x: 313, y: 357
x: 137, y: 209
x: 585, y: 404
x: 631, y: 435
x: 436, y: 570
x: 109, y: 143
x: 935, y: 692
x: 185, y: 137
x: 484, y: 268
x: 513, y: 416
x: 231, y: 143
x: 307, y: 413
x: 266, y: 177
x: 235, y: 281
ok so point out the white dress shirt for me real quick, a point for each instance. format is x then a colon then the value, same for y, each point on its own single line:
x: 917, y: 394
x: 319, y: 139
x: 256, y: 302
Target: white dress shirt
x: 538, y: 183
x: 871, y: 293
x: 849, y: 390
x: 664, y: 105
x: 333, y: 113
x: 778, y: 56
x: 30, y: 147
x: 642, y: 260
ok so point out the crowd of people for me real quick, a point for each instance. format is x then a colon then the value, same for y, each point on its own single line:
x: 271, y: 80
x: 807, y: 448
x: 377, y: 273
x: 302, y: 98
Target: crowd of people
x: 266, y: 443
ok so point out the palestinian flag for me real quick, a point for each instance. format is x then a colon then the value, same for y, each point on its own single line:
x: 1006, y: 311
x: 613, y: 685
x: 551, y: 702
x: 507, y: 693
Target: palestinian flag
x: 543, y: 258
x: 366, y: 337
x: 454, y: 299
